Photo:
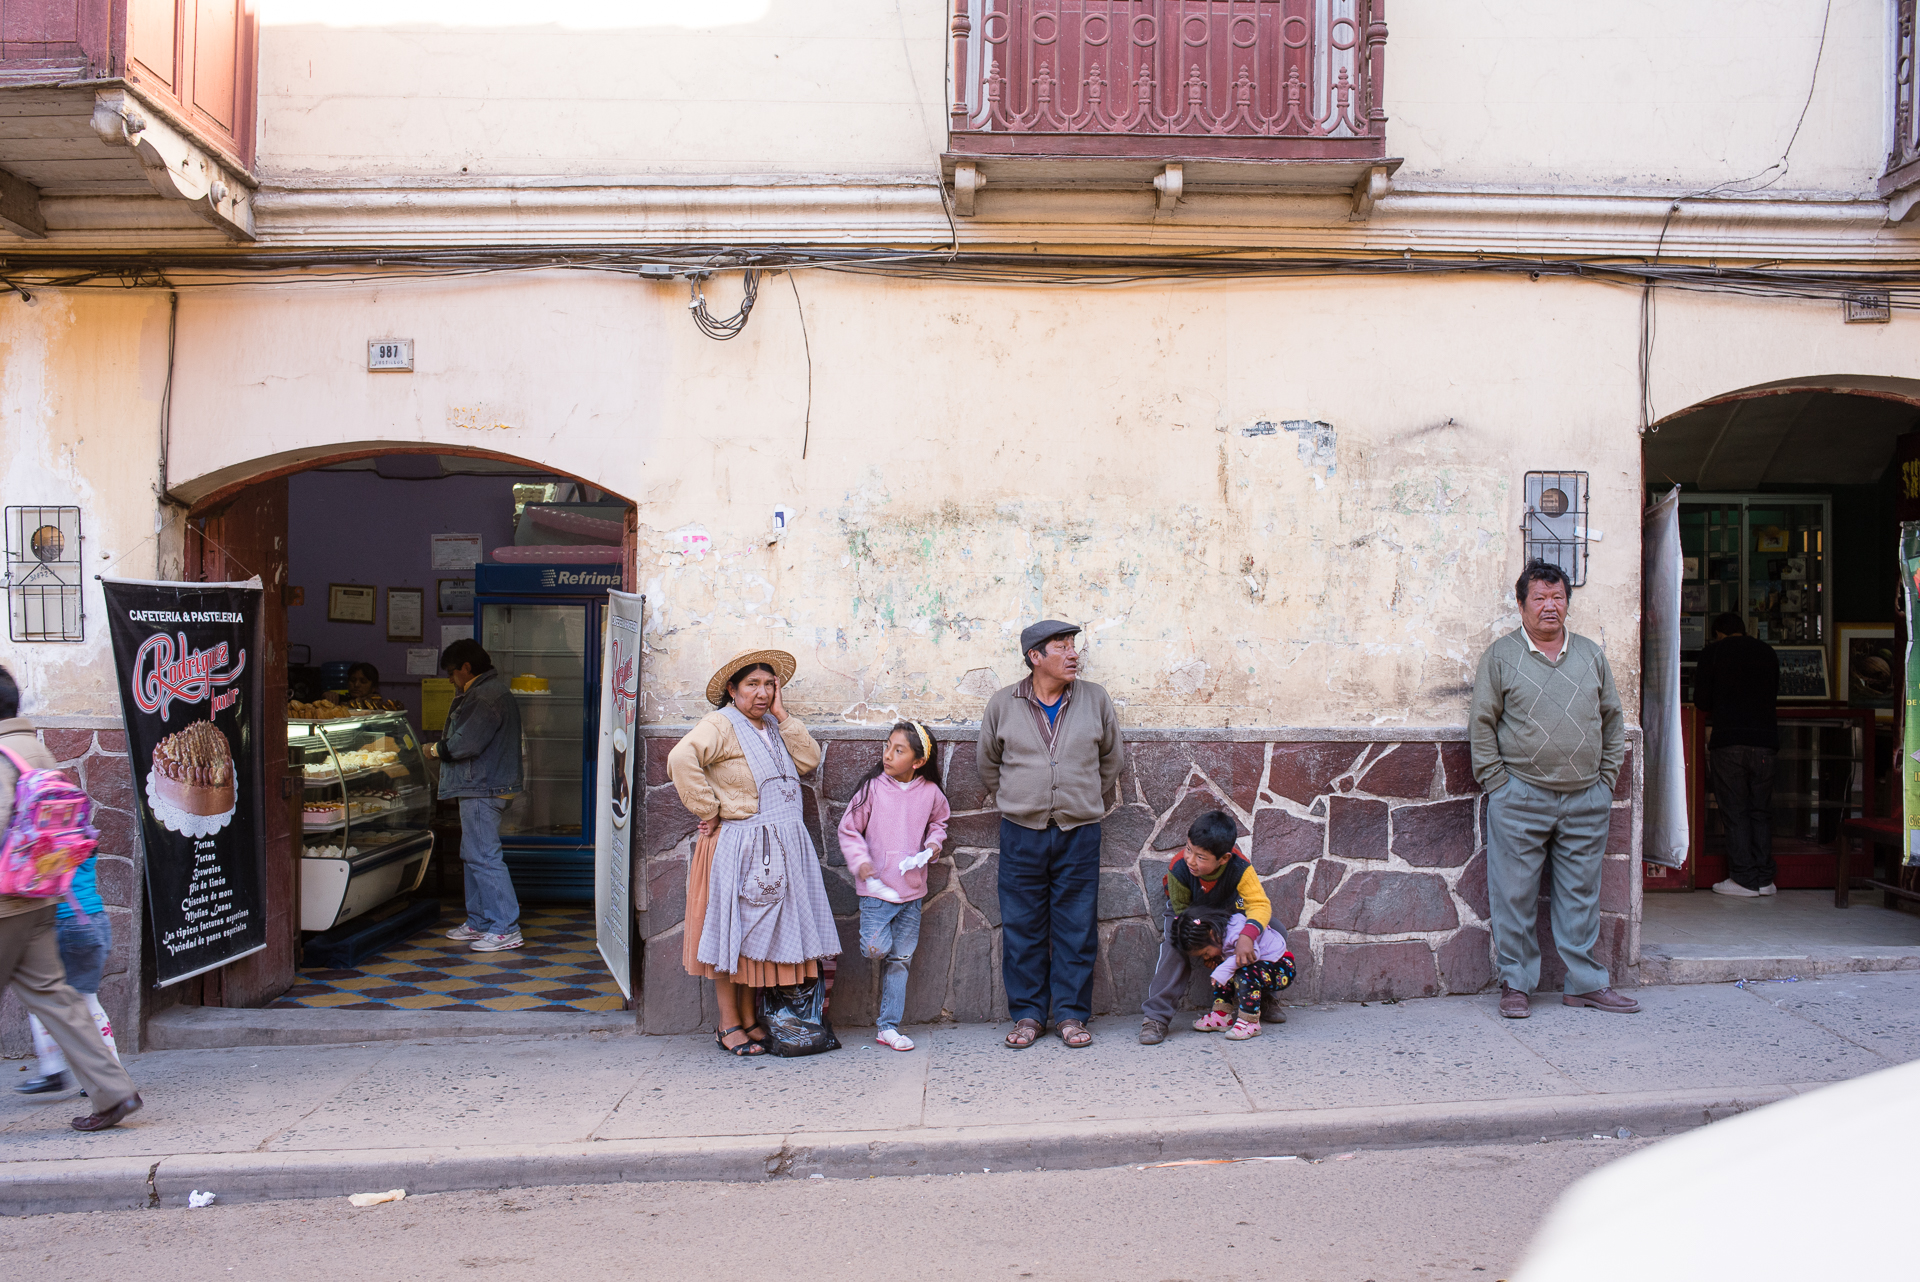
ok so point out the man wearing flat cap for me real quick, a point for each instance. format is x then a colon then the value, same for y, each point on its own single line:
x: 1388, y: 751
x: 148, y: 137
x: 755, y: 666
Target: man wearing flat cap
x: 1050, y: 756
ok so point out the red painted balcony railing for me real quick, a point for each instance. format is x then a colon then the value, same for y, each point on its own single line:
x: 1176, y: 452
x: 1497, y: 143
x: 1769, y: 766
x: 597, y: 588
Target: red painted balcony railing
x: 1232, y: 79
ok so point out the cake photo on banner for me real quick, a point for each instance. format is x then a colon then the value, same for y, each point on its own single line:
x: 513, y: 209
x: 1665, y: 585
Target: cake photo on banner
x: 187, y: 659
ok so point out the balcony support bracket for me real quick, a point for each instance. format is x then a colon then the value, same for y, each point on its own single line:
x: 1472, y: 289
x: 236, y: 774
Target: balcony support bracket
x: 1168, y: 183
x: 1372, y: 188
x: 967, y: 181
x: 20, y: 207
x: 174, y: 166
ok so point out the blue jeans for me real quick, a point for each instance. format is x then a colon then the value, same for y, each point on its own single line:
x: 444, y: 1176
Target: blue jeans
x: 891, y: 931
x: 1049, y: 938
x: 84, y: 940
x: 492, y: 907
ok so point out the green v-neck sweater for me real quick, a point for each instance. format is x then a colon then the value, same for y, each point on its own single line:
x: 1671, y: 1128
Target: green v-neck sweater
x: 1556, y: 725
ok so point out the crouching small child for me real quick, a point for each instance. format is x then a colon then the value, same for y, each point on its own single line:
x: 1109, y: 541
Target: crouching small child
x: 1249, y: 973
x: 1207, y: 876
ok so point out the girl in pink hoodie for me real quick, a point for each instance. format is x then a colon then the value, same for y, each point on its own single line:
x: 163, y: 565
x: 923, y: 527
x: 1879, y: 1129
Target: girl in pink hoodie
x: 894, y: 827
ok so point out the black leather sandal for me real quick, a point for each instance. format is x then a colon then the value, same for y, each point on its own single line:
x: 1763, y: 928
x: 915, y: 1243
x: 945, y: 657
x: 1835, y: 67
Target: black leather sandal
x: 748, y: 1047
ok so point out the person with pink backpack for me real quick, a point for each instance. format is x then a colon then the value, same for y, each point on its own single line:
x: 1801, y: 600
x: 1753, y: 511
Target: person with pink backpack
x: 44, y: 836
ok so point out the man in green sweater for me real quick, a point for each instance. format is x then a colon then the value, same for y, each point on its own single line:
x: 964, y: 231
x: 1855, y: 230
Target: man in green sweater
x: 1548, y: 742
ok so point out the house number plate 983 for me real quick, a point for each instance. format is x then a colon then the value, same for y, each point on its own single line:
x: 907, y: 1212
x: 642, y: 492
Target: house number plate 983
x: 390, y: 354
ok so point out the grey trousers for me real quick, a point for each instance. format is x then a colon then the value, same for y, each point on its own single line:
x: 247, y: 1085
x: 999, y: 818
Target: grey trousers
x: 30, y: 962
x: 1171, y: 975
x: 1527, y: 826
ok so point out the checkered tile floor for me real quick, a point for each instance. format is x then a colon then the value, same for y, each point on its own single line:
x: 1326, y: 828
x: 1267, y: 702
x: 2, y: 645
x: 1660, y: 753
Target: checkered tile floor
x: 557, y: 969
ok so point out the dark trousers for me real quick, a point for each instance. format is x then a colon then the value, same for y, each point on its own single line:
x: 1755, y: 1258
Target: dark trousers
x: 1743, y: 785
x: 1049, y: 931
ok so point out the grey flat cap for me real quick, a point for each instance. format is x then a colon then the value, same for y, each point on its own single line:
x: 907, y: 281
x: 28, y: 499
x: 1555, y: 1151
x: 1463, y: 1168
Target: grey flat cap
x: 1035, y: 635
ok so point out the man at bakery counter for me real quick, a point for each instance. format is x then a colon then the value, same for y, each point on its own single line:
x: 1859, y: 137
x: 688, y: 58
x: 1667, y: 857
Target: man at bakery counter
x: 479, y: 754
x: 30, y: 952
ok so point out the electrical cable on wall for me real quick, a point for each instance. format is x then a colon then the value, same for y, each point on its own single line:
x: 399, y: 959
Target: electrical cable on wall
x: 722, y: 328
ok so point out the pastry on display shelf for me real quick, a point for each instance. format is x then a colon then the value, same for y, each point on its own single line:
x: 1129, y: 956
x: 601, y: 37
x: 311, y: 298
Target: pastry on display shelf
x: 193, y: 770
x: 527, y: 683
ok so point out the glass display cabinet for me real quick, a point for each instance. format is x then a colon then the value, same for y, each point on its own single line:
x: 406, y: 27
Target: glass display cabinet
x: 366, y: 809
x: 1762, y: 557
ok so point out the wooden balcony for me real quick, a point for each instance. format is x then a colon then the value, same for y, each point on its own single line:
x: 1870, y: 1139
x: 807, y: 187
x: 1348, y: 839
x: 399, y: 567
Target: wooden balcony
x: 1180, y: 95
x: 107, y: 106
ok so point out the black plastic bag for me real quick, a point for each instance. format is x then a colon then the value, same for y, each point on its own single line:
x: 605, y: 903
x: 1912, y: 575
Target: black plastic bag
x: 795, y: 1016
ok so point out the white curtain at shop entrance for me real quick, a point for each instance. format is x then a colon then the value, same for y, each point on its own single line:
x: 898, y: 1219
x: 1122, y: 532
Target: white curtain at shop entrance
x: 1664, y: 835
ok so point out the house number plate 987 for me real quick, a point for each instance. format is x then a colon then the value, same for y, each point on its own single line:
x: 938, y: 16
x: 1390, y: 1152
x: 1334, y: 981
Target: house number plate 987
x: 390, y: 354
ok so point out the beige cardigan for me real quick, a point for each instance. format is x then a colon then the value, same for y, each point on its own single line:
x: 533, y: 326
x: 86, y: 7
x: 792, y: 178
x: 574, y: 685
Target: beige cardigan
x: 711, y: 773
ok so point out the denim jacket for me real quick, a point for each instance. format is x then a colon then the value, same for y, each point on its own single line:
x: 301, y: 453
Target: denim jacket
x: 480, y: 749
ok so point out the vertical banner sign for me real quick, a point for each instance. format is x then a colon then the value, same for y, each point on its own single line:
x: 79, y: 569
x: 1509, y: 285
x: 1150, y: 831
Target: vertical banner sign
x: 1664, y: 838
x: 187, y: 655
x: 1910, y: 747
x: 613, y: 834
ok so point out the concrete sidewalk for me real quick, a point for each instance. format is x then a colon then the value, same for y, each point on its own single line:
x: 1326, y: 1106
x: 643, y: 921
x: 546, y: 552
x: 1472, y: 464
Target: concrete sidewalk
x: 308, y: 1121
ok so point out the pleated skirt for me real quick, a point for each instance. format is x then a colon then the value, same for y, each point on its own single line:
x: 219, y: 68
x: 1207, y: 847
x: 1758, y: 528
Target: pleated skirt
x: 753, y: 972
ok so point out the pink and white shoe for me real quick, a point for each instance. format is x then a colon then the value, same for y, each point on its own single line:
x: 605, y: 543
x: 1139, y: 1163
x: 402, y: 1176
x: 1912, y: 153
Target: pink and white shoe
x: 1243, y: 1030
x: 895, y: 1038
x: 1212, y: 1022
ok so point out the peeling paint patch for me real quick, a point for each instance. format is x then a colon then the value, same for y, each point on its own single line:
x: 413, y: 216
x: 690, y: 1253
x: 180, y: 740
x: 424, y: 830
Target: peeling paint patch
x: 978, y: 682
x: 1315, y: 442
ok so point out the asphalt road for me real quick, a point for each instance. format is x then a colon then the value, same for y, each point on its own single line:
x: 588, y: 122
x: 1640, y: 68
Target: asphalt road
x: 1418, y: 1214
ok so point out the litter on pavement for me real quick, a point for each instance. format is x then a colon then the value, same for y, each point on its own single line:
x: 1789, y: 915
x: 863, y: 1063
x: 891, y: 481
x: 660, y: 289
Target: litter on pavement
x: 198, y: 1199
x: 375, y: 1199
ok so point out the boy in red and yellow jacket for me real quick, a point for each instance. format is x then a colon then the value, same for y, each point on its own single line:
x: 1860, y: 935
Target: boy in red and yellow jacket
x: 1207, y: 874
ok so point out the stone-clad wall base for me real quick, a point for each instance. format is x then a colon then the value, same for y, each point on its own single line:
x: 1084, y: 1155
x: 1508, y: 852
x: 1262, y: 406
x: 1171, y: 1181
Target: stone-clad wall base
x: 97, y: 759
x: 1372, y: 852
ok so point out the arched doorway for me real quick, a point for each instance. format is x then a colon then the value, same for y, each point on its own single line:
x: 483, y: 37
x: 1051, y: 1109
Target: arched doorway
x: 1789, y: 532
x: 359, y: 549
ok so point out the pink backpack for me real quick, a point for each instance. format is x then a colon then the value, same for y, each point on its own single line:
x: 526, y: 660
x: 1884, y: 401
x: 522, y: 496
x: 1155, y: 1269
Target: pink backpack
x: 50, y: 834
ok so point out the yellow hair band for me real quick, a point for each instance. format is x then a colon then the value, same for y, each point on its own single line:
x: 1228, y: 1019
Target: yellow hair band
x: 926, y: 741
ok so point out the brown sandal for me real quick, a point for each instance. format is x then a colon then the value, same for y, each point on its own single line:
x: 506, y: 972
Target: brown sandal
x: 1074, y: 1033
x: 1024, y: 1034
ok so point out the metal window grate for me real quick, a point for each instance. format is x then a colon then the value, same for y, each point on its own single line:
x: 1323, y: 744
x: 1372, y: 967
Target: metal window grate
x: 43, y: 574
x: 1556, y: 523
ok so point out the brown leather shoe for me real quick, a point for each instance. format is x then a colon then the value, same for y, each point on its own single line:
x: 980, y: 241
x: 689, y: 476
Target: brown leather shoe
x: 1513, y: 1003
x: 112, y: 1117
x: 1603, y: 999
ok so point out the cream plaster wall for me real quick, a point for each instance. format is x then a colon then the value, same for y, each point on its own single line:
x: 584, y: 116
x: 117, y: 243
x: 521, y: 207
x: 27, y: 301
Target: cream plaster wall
x: 977, y: 457
x: 80, y: 381
x: 1559, y: 95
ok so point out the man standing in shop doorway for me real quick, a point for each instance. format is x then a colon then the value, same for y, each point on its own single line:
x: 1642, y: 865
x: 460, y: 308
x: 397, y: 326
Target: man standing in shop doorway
x: 1737, y: 684
x: 1548, y: 743
x: 1049, y: 753
x: 480, y: 756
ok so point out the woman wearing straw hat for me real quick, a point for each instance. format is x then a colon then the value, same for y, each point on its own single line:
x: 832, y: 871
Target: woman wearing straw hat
x: 757, y: 912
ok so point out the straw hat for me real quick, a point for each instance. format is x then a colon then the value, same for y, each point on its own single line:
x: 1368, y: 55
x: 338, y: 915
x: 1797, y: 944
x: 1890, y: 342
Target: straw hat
x: 779, y: 660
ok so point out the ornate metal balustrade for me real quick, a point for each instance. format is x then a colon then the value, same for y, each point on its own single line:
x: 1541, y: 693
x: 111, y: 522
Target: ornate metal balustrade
x: 1901, y: 181
x: 1228, y: 79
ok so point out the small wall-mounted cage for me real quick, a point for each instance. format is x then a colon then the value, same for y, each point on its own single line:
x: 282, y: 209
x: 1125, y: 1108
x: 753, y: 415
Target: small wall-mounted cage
x: 1556, y: 522
x: 43, y: 574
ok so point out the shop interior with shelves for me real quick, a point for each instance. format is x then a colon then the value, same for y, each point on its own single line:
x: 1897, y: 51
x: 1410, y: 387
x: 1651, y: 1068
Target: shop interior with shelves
x: 1788, y: 520
x: 387, y: 563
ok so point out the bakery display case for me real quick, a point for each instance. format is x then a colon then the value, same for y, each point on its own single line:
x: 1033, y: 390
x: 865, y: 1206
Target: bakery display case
x: 366, y: 808
x: 1764, y: 558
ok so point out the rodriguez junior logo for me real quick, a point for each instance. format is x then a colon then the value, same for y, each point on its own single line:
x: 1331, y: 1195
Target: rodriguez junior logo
x: 163, y: 673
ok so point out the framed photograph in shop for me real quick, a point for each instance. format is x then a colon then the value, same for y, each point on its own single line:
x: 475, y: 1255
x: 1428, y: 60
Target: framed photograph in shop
x: 350, y: 602
x: 1693, y: 598
x: 455, y: 596
x: 1690, y: 569
x: 1869, y: 666
x: 1803, y: 674
x: 405, y: 606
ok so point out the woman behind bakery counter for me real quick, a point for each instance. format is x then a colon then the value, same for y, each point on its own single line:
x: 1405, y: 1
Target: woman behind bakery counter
x: 757, y: 912
x: 363, y: 682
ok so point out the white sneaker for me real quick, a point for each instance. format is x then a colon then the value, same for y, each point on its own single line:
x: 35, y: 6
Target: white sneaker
x: 496, y: 943
x: 1727, y: 887
x: 464, y: 933
x: 1769, y: 889
x: 895, y: 1038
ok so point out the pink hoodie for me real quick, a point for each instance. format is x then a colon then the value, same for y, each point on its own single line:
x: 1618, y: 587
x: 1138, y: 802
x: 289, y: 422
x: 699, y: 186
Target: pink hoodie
x: 889, y: 824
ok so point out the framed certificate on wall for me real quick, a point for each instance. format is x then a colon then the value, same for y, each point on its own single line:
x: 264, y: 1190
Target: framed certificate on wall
x: 350, y: 603
x: 455, y: 596
x: 405, y: 607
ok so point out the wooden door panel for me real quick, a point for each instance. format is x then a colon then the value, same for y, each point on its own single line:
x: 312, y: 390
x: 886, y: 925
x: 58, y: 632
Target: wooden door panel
x: 248, y: 537
x: 153, y: 30
x: 215, y: 41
